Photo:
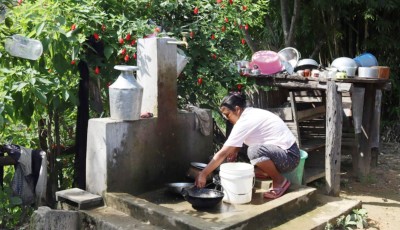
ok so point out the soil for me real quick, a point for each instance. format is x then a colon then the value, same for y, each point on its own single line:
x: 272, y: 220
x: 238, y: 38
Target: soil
x: 380, y: 191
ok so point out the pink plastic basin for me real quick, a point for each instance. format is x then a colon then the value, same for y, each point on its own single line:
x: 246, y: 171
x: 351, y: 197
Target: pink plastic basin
x: 267, y: 61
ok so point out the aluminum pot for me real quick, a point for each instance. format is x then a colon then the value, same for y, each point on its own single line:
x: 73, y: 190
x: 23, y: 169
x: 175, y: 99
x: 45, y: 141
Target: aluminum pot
x: 194, y: 170
x: 176, y: 188
x: 202, y: 198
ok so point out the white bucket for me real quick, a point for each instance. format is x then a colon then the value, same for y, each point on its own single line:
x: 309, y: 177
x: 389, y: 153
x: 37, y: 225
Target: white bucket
x: 237, y: 181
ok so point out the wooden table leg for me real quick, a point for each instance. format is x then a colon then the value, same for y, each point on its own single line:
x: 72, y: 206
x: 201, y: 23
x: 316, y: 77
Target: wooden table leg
x: 364, y: 149
x: 334, y: 121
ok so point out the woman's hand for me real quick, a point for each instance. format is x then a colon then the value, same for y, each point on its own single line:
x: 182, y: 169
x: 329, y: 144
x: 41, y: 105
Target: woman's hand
x: 201, y: 180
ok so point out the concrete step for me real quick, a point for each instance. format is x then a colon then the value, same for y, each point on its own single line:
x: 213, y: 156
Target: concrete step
x: 106, y: 218
x: 172, y: 212
x: 76, y: 199
x: 329, y: 210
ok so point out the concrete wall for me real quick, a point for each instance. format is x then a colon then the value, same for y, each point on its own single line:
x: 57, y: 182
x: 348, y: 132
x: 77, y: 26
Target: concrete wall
x: 138, y: 156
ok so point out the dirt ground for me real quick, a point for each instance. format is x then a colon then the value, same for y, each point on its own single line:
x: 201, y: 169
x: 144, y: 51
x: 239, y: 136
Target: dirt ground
x: 380, y: 192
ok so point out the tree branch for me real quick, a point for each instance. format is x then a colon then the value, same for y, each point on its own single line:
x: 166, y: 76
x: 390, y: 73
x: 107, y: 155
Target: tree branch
x: 249, y: 41
x: 295, y: 18
x: 285, y: 19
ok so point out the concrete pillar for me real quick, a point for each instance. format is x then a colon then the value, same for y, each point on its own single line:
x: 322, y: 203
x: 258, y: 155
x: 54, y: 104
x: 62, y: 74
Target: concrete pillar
x: 157, y: 75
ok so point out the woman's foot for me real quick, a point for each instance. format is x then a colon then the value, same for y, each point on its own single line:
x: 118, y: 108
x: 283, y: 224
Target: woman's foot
x: 276, y: 192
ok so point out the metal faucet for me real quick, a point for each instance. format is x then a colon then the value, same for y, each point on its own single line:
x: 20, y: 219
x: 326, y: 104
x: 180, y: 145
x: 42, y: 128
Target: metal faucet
x: 183, y: 42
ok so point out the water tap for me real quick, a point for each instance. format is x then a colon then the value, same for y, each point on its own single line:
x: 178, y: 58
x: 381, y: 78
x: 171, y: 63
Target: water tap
x: 183, y: 42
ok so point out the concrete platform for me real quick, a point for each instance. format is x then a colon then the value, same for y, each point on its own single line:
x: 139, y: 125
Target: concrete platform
x: 330, y: 209
x: 173, y: 212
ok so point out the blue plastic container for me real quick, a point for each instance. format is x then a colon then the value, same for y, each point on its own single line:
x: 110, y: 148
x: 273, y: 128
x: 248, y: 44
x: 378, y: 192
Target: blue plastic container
x: 366, y: 60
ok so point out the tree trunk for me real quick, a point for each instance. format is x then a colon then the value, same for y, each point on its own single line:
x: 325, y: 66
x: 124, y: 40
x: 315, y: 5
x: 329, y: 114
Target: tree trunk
x: 81, y: 127
x: 289, y: 28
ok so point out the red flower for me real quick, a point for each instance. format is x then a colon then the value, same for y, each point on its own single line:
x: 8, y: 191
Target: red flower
x: 200, y: 81
x: 214, y: 56
x: 134, y: 56
x: 133, y: 42
x: 239, y: 86
x: 196, y: 10
x: 96, y: 36
x: 226, y: 20
x: 126, y: 58
x: 219, y: 1
x: 223, y: 28
x: 246, y: 27
x: 191, y: 34
x: 73, y: 27
x: 121, y: 41
x: 157, y: 30
x: 244, y: 8
x: 73, y: 62
x: 212, y: 37
x: 97, y: 70
x: 243, y: 41
x: 231, y: 2
x: 103, y: 27
x: 123, y: 51
x: 128, y: 37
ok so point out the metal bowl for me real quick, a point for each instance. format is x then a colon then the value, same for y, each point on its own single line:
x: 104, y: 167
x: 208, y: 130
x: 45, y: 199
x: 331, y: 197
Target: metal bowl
x: 289, y: 54
x: 176, y: 188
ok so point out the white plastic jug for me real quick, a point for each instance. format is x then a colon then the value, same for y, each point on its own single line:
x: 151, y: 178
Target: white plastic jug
x: 20, y: 46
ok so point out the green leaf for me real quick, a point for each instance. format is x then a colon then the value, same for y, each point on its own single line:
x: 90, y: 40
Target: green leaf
x: 60, y: 64
x: 41, y: 96
x: 45, y: 81
x: 108, y: 51
x: 19, y: 87
x: 40, y: 28
x: 66, y: 95
x: 9, y: 22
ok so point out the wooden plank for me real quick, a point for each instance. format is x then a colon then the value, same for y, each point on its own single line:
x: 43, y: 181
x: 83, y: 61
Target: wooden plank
x: 333, y: 139
x: 309, y: 145
x: 312, y: 174
x: 311, y: 113
x: 285, y: 113
x: 295, y: 119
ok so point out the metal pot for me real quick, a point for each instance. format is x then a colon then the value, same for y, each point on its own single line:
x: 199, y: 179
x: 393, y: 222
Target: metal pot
x: 176, y: 188
x: 202, y: 198
x: 194, y: 170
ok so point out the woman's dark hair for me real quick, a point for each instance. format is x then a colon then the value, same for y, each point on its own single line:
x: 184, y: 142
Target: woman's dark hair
x: 234, y: 99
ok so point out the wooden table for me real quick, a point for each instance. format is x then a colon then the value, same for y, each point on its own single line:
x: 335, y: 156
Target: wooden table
x: 334, y: 118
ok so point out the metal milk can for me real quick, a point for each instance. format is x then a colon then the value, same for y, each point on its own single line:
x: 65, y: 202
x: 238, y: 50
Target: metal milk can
x: 125, y: 95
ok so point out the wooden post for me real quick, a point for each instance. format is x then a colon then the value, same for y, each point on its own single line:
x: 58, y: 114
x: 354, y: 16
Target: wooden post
x: 364, y: 151
x: 333, y: 139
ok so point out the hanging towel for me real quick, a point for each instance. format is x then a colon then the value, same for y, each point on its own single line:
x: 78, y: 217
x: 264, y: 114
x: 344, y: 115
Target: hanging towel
x: 203, y: 119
